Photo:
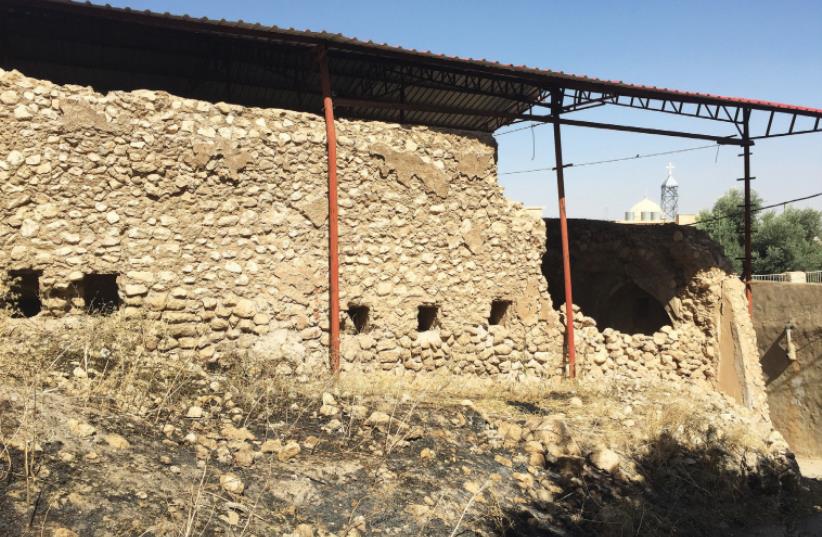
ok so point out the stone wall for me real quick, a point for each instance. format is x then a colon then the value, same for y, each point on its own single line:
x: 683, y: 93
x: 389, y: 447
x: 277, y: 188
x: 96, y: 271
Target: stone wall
x: 793, y: 374
x: 212, y: 219
x: 673, y: 274
x: 740, y: 374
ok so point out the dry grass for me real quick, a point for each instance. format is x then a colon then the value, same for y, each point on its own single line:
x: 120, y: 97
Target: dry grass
x: 112, y: 362
x: 444, y: 388
x: 104, y: 364
x: 111, y: 365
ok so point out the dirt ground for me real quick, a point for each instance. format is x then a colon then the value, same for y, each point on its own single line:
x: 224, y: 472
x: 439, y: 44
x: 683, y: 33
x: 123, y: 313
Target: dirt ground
x: 807, y: 524
x: 811, y: 468
x: 100, y: 437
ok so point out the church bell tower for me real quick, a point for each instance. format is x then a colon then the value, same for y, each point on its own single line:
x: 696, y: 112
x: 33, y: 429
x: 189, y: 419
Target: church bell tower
x: 669, y: 198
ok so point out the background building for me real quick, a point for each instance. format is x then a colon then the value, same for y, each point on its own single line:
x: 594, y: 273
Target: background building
x: 669, y: 196
x: 644, y: 211
x: 648, y: 212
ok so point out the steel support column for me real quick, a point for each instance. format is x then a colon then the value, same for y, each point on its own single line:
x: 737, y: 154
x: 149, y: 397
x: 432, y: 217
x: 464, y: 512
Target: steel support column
x: 556, y: 107
x: 746, y: 154
x: 333, y: 217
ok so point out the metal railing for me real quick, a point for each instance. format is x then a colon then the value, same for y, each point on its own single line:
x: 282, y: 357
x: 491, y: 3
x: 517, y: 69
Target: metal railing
x: 770, y: 277
x: 790, y: 277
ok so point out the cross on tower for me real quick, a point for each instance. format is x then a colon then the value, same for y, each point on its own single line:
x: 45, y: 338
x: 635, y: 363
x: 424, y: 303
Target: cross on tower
x: 669, y: 198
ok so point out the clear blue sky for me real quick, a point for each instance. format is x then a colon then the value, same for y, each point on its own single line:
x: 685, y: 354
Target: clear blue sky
x: 755, y: 48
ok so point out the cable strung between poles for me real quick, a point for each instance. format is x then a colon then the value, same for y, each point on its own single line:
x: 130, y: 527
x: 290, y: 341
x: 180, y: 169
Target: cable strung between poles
x: 738, y: 213
x: 621, y: 159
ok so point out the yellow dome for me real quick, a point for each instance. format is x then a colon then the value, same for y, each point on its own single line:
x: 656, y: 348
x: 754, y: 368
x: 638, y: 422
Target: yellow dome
x: 644, y: 211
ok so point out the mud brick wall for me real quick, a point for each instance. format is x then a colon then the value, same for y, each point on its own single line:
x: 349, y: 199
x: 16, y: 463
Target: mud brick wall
x: 793, y: 372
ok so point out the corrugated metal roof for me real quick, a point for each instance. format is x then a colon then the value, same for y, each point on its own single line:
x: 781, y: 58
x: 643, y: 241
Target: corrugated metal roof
x: 458, y: 83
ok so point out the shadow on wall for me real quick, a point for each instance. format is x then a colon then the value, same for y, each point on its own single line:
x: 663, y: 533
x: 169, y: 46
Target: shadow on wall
x: 679, y: 491
x: 613, y: 300
x: 777, y: 364
x: 775, y: 360
x: 793, y: 379
x: 627, y: 277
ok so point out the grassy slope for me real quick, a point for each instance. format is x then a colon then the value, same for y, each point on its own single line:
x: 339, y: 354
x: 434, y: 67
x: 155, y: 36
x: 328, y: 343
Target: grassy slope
x: 377, y: 454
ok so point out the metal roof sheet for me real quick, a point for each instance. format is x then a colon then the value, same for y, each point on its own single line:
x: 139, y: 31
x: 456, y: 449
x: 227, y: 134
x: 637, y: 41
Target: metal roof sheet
x: 352, y: 57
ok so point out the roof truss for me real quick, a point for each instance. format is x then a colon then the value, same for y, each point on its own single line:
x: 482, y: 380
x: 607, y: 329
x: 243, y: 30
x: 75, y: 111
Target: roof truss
x: 112, y: 48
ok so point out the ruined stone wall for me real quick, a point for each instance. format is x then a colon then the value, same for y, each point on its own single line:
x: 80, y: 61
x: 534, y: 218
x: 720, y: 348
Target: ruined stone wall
x: 738, y: 350
x: 676, y: 269
x: 213, y: 218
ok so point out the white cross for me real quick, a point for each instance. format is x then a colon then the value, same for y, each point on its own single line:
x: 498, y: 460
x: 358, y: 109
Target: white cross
x: 670, y: 168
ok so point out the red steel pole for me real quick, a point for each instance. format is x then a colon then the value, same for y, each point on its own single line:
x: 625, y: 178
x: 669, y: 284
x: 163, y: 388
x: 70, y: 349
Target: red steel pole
x: 333, y: 217
x: 556, y: 104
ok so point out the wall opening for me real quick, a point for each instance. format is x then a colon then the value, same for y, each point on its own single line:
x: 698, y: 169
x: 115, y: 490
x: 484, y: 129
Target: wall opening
x: 427, y: 317
x: 625, y: 276
x: 631, y: 310
x: 499, y: 312
x: 613, y: 300
x: 358, y: 318
x: 24, y: 293
x: 101, y: 294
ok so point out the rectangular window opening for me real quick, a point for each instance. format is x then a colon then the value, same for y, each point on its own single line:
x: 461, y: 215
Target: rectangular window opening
x: 101, y: 294
x: 427, y: 317
x: 499, y: 312
x: 358, y: 314
x: 24, y: 293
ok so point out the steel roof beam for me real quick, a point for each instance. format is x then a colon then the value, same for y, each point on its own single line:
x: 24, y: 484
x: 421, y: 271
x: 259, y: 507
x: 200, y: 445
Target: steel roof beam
x: 366, y: 104
x: 781, y: 134
x: 363, y: 70
x: 338, y: 44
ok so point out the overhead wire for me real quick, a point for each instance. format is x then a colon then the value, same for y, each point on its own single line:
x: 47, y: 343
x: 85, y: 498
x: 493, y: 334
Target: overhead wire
x: 650, y: 155
x: 620, y: 159
x: 518, y: 129
x: 740, y: 213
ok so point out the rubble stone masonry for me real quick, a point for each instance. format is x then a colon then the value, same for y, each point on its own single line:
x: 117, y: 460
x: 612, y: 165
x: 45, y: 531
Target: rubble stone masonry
x: 212, y: 218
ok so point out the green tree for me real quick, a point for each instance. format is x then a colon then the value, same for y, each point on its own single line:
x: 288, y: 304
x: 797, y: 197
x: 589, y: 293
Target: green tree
x: 726, y: 225
x: 788, y: 241
x: 780, y: 242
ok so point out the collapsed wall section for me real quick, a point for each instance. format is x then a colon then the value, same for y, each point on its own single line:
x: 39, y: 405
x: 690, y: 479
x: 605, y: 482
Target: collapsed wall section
x: 651, y: 303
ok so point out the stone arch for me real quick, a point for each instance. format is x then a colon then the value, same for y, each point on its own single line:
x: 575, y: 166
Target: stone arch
x: 614, y: 300
x: 632, y: 310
